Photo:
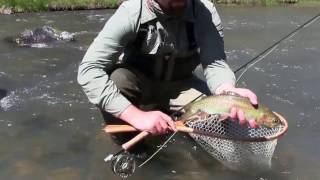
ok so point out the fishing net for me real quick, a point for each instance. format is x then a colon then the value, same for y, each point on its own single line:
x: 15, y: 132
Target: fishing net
x: 236, y: 146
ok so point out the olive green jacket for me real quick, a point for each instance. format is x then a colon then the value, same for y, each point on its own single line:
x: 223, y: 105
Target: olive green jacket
x: 165, y: 35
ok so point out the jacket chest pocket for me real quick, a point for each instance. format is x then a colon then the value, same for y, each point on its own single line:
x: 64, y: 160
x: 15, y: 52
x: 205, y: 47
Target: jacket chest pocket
x: 156, y: 41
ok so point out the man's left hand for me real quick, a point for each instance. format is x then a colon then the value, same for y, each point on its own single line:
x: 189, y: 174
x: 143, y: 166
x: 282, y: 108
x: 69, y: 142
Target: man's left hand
x: 236, y: 113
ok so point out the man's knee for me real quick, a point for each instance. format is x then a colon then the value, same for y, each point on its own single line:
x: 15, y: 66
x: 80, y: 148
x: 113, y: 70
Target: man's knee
x: 123, y: 78
x: 127, y: 82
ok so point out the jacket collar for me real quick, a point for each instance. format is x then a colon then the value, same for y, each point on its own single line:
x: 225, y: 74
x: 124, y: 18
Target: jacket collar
x: 148, y: 15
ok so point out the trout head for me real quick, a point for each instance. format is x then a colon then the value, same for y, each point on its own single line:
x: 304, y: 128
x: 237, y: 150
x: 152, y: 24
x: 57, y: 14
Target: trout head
x: 269, y: 120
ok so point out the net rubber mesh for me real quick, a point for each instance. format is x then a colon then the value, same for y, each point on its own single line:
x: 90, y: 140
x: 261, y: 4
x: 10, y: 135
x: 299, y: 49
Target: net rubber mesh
x: 230, y: 151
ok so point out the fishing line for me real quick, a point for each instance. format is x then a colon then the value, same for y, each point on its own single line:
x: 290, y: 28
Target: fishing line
x: 171, y: 136
x: 159, y: 149
x: 252, y: 64
x: 247, y: 65
x: 267, y: 51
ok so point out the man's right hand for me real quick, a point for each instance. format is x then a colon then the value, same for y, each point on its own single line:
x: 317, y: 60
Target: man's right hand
x: 154, y: 122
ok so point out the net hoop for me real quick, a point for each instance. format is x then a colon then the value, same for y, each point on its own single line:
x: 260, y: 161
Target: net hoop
x: 238, y: 147
x: 275, y: 132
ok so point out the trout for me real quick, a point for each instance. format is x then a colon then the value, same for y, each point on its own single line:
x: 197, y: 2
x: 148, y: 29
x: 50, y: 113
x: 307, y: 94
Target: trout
x: 222, y: 104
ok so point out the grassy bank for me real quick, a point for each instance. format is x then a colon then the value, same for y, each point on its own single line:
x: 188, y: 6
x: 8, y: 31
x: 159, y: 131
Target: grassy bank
x: 44, y: 5
x: 269, y: 3
x: 11, y: 6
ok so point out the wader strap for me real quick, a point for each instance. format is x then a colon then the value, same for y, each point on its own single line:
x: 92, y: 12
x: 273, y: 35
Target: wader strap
x: 158, y: 67
x: 141, y: 36
x: 190, y: 30
x: 190, y: 35
x: 170, y: 66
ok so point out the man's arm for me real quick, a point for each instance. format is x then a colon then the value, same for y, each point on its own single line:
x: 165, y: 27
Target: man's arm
x: 209, y: 35
x: 101, y: 57
x: 220, y: 78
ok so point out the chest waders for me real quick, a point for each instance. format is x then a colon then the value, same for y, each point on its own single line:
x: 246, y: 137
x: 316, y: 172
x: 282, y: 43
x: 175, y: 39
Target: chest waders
x: 162, y: 67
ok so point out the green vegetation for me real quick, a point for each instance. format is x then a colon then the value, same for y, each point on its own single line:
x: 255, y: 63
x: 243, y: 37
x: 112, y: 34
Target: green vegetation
x: 310, y: 2
x: 269, y: 3
x: 41, y: 5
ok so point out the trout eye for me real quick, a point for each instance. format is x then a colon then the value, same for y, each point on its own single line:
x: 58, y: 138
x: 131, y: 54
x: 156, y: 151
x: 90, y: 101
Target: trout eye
x: 274, y: 120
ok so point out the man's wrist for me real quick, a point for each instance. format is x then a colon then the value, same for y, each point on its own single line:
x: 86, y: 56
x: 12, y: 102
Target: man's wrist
x: 225, y: 87
x: 128, y: 115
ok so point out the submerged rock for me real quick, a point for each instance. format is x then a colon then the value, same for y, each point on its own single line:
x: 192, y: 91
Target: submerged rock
x: 42, y: 35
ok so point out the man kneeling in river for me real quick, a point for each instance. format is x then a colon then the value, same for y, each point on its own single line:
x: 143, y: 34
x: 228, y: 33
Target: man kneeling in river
x: 149, y: 46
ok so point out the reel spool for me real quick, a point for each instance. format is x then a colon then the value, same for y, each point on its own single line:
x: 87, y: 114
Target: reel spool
x: 123, y: 165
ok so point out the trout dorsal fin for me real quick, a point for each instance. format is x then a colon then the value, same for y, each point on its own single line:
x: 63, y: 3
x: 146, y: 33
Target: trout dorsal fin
x: 188, y: 106
x: 230, y: 93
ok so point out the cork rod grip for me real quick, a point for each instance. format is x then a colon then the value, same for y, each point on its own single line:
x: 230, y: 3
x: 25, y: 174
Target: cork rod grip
x: 135, y: 140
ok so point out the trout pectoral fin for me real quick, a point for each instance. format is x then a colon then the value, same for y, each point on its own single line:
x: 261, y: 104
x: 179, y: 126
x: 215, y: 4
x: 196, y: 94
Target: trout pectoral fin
x: 223, y: 117
x: 202, y: 114
x: 252, y: 123
x: 218, y: 117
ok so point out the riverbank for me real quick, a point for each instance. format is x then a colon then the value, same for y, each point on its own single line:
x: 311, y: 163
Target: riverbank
x: 18, y: 6
x: 268, y: 3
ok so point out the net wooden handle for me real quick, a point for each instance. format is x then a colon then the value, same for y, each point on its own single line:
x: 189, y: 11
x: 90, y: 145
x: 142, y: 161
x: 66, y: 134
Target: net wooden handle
x: 135, y: 140
x: 119, y: 128
x: 128, y: 128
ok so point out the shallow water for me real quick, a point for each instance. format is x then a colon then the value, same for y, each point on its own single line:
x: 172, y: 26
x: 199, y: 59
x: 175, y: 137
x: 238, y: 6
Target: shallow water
x: 48, y: 130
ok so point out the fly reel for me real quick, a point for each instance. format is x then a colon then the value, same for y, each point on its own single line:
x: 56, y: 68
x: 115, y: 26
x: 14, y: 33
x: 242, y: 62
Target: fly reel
x: 123, y: 164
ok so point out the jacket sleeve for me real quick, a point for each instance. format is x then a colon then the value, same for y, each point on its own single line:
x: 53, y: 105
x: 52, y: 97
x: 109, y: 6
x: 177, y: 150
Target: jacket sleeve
x: 101, y: 57
x: 209, y: 35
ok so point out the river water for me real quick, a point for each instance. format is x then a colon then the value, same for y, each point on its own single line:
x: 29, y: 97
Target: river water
x: 49, y: 130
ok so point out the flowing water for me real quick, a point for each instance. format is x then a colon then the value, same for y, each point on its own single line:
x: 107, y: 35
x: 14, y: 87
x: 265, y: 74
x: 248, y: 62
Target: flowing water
x: 49, y: 130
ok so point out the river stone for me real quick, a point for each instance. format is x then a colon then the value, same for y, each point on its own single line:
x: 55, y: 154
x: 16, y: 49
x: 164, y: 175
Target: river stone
x: 43, y: 35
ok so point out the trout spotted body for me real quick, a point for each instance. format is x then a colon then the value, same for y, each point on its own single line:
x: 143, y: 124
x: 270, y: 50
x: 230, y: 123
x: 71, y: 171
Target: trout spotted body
x: 222, y: 104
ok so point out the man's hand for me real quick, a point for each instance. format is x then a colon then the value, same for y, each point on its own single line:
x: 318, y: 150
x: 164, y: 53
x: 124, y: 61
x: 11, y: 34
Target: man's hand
x: 236, y: 113
x: 154, y: 122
